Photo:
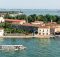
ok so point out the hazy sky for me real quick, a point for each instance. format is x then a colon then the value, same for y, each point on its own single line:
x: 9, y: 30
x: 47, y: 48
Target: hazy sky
x: 30, y: 4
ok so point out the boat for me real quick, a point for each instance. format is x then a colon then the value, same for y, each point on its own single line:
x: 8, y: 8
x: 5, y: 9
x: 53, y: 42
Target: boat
x: 12, y: 47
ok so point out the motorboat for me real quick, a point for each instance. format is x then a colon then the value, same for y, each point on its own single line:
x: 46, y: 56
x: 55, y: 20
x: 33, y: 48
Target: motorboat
x: 12, y: 47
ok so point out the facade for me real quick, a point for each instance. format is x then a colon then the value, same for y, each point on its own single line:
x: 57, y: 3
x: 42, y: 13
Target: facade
x: 54, y: 28
x: 27, y: 26
x: 1, y: 32
x: 43, y: 31
x: 2, y: 19
x: 57, y: 29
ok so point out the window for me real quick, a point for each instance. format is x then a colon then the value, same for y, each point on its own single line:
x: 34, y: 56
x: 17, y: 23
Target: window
x: 43, y: 30
x: 40, y: 30
x: 47, y: 33
x: 39, y: 33
x: 47, y: 29
x: 43, y: 33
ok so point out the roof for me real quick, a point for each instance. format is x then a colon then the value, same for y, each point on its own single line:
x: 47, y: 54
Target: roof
x: 27, y: 24
x: 53, y: 23
x: 38, y: 22
x: 38, y: 26
x: 1, y: 28
x: 13, y: 20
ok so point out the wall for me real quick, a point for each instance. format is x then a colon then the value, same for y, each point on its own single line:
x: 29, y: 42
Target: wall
x: 1, y: 32
x: 57, y: 29
x: 43, y: 31
x: 1, y: 19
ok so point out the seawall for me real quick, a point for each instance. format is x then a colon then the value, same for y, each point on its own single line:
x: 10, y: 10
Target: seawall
x: 24, y: 36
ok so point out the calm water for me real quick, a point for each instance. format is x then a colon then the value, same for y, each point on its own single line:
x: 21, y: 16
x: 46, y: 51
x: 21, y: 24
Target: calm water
x: 36, y: 11
x: 35, y: 48
x: 41, y: 11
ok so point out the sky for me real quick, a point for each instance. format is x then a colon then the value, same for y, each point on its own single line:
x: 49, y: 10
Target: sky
x: 30, y: 4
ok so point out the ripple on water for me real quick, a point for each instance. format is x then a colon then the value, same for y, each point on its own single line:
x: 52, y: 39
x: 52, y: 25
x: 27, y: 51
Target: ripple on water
x: 35, y: 48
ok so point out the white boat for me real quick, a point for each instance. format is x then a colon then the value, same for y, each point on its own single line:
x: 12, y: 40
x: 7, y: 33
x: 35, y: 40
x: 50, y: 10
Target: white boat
x: 12, y: 47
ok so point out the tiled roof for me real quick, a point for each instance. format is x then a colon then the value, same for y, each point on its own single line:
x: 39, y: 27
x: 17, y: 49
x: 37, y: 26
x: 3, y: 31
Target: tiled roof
x: 12, y: 20
x: 27, y: 24
x: 1, y: 28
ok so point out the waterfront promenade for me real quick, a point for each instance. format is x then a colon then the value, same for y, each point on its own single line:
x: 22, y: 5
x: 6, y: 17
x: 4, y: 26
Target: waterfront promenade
x: 17, y: 36
x: 26, y: 36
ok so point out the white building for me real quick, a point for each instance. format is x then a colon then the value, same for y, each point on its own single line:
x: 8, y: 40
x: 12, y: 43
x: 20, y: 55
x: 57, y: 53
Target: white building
x: 57, y: 28
x: 43, y: 31
x: 2, y: 19
x: 1, y: 32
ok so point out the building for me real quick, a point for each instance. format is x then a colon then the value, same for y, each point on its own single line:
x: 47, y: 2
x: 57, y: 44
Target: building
x: 27, y: 27
x: 15, y: 21
x: 54, y: 28
x: 43, y: 31
x: 37, y: 22
x: 15, y: 14
x: 1, y: 31
x: 2, y: 19
x: 57, y: 29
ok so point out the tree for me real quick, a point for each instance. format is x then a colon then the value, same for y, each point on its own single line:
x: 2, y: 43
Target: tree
x: 53, y: 18
x: 42, y: 18
x: 23, y: 16
x: 30, y: 19
x: 34, y: 17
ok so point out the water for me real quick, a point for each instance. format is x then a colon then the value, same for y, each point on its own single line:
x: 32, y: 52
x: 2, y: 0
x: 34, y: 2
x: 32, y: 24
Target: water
x: 35, y: 48
x: 41, y: 11
x: 36, y: 11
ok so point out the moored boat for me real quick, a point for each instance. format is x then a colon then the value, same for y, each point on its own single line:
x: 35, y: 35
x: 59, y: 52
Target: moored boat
x: 12, y: 47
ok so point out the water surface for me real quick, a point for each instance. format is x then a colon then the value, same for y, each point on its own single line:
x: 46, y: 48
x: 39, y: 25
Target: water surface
x: 35, y: 47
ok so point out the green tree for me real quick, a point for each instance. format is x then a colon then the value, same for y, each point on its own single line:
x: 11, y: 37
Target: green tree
x: 23, y: 16
x: 53, y: 18
x: 30, y: 19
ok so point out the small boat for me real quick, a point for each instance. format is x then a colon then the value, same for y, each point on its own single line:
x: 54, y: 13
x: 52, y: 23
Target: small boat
x: 12, y: 47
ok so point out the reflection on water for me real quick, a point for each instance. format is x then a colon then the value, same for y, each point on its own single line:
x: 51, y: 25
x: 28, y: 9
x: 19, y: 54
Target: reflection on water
x: 1, y: 40
x: 45, y: 41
